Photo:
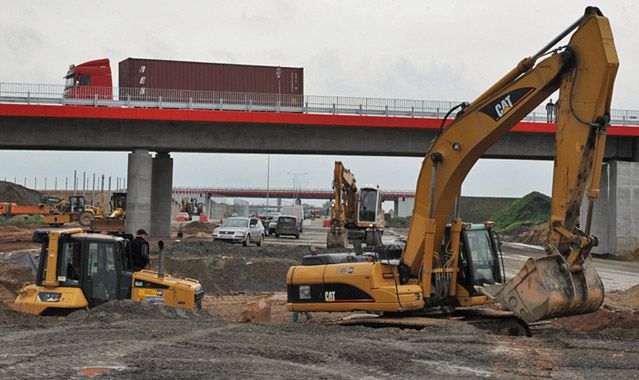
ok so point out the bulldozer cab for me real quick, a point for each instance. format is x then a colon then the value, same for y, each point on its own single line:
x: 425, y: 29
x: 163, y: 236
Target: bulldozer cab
x: 480, y: 260
x: 98, y: 264
x: 76, y: 204
x: 118, y: 200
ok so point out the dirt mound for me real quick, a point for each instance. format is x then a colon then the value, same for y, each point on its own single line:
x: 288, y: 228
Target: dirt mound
x: 221, y: 275
x: 222, y: 267
x: 217, y: 248
x: 11, y: 192
x: 530, y: 210
x: 10, y: 317
x: 625, y: 299
x: 12, y: 277
x: 197, y: 225
x: 612, y: 322
x: 535, y: 235
x: 130, y: 310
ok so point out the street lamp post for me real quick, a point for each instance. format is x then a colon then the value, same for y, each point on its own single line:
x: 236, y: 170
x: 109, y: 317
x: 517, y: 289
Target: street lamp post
x: 278, y: 75
x: 297, y: 183
x: 268, y: 178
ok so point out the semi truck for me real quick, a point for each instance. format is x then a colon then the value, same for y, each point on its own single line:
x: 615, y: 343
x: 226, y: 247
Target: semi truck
x: 142, y: 79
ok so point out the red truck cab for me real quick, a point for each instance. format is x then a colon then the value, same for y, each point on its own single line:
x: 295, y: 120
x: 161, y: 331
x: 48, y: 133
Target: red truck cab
x: 89, y: 79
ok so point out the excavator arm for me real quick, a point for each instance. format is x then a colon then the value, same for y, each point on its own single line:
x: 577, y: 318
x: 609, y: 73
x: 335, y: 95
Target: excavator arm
x: 584, y: 70
x: 345, y: 188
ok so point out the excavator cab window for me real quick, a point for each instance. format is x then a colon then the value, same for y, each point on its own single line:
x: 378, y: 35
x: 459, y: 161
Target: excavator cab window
x: 479, y: 261
x: 69, y: 263
x: 368, y: 206
x: 103, y: 266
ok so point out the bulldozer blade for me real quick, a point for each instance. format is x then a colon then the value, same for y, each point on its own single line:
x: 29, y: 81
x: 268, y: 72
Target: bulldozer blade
x: 546, y: 288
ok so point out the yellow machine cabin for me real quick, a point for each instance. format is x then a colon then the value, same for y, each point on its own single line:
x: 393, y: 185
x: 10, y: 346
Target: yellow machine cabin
x: 80, y: 270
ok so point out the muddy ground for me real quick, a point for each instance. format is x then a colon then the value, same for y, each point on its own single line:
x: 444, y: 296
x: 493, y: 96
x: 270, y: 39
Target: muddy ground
x: 224, y: 340
x: 138, y: 341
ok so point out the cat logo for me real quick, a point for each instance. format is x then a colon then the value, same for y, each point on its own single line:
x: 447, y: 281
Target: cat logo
x: 329, y: 296
x: 505, y: 103
x: 504, y: 106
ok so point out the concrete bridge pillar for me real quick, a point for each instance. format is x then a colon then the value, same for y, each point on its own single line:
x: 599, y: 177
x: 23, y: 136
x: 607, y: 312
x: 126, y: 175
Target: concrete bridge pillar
x: 162, y: 187
x: 615, y: 219
x: 138, y: 201
x: 395, y: 207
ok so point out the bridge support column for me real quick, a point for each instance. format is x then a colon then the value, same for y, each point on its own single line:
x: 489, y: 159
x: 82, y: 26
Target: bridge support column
x: 162, y: 187
x: 395, y: 207
x: 615, y: 219
x: 138, y: 200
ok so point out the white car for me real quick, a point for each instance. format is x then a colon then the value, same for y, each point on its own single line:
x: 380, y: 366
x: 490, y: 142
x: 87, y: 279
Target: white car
x: 240, y: 230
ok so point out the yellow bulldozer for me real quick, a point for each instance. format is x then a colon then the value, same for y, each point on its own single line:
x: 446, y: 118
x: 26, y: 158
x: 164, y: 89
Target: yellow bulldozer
x: 79, y: 270
x: 70, y: 210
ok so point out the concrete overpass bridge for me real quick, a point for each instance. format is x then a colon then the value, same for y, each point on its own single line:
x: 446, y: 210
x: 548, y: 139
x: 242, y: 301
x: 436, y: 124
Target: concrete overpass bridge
x: 38, y: 118
x: 325, y: 194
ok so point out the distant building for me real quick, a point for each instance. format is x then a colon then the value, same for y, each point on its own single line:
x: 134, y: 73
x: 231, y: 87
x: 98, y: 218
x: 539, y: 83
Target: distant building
x: 405, y: 207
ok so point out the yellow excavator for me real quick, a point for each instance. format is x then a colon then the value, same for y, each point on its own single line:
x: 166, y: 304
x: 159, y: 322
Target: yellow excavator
x: 356, y: 214
x: 452, y: 264
x: 79, y: 270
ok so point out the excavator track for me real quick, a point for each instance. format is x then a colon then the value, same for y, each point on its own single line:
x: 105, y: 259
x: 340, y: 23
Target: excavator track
x: 494, y: 321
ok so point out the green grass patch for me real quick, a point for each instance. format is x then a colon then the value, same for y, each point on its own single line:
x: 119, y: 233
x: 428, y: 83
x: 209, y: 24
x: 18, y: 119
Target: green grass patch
x: 20, y: 222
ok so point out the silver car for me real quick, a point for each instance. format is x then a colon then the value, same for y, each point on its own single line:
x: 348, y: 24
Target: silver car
x: 240, y: 230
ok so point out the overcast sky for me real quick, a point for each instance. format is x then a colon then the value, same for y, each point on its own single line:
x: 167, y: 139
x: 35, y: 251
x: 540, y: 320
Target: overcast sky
x: 435, y: 50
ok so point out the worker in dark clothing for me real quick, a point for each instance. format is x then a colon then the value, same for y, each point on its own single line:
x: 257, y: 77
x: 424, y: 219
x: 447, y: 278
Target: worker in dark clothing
x: 550, y: 111
x: 140, y: 251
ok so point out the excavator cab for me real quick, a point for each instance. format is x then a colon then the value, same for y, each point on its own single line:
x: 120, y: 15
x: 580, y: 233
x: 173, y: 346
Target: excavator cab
x: 370, y: 205
x: 480, y: 258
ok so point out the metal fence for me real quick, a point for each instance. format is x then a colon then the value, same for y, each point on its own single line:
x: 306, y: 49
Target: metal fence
x: 249, y: 102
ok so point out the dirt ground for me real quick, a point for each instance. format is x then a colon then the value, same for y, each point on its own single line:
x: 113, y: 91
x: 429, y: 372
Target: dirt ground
x: 227, y: 339
x: 16, y: 237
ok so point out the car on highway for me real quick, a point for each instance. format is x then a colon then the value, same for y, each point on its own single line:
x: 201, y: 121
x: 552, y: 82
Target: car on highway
x: 240, y: 230
x: 272, y: 224
x: 287, y: 225
x: 267, y: 219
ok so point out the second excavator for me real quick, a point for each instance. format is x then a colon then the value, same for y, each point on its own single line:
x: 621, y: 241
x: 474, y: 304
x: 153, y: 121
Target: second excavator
x: 356, y: 214
x: 448, y: 263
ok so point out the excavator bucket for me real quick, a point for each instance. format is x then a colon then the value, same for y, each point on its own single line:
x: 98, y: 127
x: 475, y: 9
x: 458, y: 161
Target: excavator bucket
x: 546, y: 288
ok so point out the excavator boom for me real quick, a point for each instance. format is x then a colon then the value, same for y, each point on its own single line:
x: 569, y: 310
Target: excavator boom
x: 584, y: 70
x: 446, y: 265
x: 565, y: 282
